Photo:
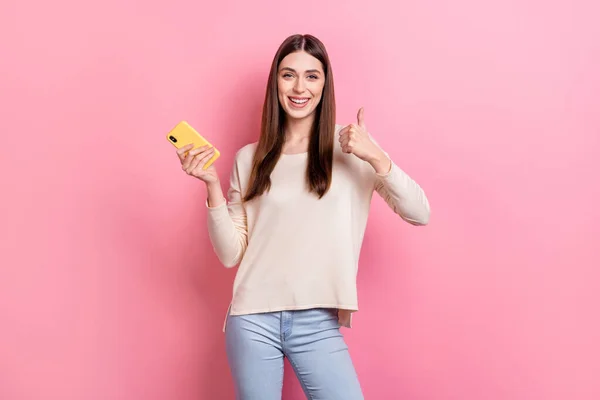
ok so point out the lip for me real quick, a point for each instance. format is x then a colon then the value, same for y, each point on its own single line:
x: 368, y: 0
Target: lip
x: 299, y: 106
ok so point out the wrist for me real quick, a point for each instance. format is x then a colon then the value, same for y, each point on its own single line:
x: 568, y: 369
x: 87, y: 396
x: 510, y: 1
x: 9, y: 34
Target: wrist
x: 213, y: 185
x: 214, y: 194
x: 381, y: 163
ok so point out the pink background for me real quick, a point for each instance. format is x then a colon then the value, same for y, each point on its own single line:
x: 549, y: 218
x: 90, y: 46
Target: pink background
x: 109, y: 288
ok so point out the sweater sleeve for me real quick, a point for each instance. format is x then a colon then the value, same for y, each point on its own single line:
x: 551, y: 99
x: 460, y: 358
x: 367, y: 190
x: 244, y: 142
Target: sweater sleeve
x: 227, y: 224
x: 403, y: 195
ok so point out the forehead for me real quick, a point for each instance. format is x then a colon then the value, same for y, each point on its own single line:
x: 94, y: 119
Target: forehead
x: 301, y: 61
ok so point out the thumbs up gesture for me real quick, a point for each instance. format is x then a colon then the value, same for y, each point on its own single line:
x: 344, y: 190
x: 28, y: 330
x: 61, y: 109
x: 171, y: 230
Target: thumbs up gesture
x: 355, y: 139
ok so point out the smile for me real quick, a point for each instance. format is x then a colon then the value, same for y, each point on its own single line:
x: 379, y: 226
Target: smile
x: 298, y: 102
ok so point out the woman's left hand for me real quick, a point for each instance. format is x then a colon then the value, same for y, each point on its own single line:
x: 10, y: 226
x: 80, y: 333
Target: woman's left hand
x: 355, y: 139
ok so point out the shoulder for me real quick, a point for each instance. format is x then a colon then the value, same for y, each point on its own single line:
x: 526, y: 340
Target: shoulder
x: 242, y: 164
x: 245, y: 155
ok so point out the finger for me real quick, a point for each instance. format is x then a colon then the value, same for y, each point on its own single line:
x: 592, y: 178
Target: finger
x: 187, y: 161
x: 345, y: 130
x: 361, y: 118
x: 205, y: 159
x: 192, y: 154
x: 201, y: 159
x: 199, y: 150
x: 181, y: 151
x: 347, y: 145
x: 185, y: 148
x: 193, y: 164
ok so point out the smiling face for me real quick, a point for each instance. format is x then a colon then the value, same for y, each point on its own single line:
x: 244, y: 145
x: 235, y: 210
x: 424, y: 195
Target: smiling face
x: 300, y: 82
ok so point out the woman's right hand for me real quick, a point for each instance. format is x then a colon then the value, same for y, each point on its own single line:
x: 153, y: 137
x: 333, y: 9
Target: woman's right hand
x: 195, y: 160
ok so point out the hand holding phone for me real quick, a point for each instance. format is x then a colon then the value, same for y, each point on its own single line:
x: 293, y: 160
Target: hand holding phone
x: 195, y: 153
x: 194, y: 160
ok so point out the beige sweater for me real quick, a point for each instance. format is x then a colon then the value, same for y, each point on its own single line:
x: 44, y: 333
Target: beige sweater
x: 296, y: 251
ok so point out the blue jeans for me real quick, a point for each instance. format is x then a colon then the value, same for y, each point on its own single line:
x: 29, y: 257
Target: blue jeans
x: 311, y: 340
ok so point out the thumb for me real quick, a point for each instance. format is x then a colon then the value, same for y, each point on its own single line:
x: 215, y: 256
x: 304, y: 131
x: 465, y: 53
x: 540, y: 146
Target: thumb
x: 361, y: 118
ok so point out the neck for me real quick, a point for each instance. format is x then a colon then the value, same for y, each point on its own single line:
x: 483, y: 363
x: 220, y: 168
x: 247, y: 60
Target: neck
x: 297, y: 130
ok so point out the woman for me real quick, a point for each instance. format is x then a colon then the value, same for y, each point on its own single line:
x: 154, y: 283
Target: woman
x: 294, y: 220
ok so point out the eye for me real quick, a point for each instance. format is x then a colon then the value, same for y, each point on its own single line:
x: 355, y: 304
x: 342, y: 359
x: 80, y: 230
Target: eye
x: 287, y: 75
x: 313, y: 77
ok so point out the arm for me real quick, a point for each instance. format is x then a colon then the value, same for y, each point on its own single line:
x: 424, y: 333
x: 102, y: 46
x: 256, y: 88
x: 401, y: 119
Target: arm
x: 227, y: 223
x: 401, y: 193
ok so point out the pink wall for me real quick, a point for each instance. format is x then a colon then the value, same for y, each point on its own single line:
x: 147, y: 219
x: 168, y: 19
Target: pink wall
x: 108, y: 285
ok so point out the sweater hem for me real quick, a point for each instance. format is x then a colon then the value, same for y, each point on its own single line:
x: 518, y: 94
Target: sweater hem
x: 353, y: 308
x: 348, y: 324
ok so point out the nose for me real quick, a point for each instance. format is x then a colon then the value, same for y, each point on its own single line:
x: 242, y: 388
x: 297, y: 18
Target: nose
x: 299, y: 86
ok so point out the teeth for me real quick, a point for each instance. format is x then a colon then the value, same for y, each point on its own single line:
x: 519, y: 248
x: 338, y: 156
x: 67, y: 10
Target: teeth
x: 299, y: 101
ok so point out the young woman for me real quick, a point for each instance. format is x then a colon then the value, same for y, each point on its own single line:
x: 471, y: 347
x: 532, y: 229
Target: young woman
x: 294, y: 219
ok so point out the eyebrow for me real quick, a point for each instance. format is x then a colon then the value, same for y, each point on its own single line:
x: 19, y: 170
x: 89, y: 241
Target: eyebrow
x: 308, y: 71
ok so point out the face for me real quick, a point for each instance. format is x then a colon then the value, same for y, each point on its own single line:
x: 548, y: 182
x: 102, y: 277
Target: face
x: 300, y: 82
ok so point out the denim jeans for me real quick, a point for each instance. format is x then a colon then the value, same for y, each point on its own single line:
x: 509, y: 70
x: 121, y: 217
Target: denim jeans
x: 256, y: 345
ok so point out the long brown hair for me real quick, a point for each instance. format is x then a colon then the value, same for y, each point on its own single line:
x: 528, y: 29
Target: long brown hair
x: 272, y: 137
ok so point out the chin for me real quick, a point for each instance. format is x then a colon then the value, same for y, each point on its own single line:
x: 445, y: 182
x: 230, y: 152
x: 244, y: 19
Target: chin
x: 296, y: 114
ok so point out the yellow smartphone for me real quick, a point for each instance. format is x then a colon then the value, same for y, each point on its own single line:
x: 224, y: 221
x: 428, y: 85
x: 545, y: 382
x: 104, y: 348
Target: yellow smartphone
x: 183, y: 134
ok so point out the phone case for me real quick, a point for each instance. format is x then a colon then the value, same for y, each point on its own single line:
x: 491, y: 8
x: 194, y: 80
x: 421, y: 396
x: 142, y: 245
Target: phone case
x: 183, y: 134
